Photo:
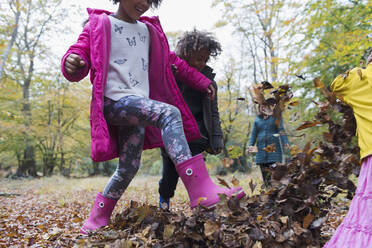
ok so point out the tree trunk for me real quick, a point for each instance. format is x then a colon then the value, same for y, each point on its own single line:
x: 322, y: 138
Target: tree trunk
x: 106, y: 168
x: 9, y: 46
x: 49, y: 163
x: 27, y: 166
x: 95, y: 169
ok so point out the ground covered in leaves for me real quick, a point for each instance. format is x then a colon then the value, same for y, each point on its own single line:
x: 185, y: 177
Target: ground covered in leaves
x: 49, y: 213
x: 306, y: 202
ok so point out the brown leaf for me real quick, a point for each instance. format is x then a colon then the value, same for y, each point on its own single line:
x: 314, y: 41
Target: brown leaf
x: 284, y: 219
x: 294, y: 150
x: 252, y: 185
x: 223, y: 182
x: 77, y: 220
x: 328, y: 137
x: 146, y: 231
x: 294, y: 103
x: 270, y: 148
x: 298, y: 230
x: 235, y: 182
x: 318, y: 84
x: 168, y: 231
x: 258, y: 94
x: 258, y: 244
x: 210, y: 228
x: 307, y: 221
x: 307, y: 124
x: 195, y: 236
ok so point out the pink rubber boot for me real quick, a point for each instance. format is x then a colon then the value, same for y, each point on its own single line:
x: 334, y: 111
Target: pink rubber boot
x: 194, y: 175
x: 100, y: 214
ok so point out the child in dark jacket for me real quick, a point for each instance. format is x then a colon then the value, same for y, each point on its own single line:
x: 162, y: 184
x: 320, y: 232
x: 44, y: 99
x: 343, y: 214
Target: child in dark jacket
x: 195, y: 48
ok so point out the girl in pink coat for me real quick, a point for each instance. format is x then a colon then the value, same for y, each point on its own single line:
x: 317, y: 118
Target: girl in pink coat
x: 136, y: 103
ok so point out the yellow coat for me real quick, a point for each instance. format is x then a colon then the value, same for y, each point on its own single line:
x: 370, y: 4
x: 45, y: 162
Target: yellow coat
x: 356, y: 90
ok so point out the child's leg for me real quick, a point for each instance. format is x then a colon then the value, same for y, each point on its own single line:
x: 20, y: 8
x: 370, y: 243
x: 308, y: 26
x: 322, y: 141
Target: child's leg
x: 168, y: 182
x: 198, y: 146
x: 130, y: 150
x: 266, y: 174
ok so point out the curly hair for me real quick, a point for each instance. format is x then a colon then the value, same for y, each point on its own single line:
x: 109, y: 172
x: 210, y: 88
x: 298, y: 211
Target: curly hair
x: 194, y: 41
x: 154, y: 3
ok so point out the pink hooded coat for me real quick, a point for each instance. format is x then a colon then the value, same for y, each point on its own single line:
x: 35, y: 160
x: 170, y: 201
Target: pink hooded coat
x: 93, y: 46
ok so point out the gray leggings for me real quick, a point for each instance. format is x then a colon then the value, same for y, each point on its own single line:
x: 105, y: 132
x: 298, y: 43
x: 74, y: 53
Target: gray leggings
x: 131, y: 114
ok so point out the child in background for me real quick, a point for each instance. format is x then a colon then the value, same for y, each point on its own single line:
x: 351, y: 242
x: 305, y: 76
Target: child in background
x: 195, y: 48
x: 134, y: 89
x: 356, y: 228
x: 265, y: 133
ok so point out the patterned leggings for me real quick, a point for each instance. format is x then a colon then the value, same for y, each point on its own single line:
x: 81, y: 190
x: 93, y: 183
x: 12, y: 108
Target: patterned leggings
x: 131, y: 114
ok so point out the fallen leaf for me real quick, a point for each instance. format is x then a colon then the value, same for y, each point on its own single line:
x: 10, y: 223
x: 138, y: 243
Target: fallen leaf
x: 318, y: 84
x: 223, y: 182
x: 307, y: 221
x: 270, y: 148
x: 307, y: 124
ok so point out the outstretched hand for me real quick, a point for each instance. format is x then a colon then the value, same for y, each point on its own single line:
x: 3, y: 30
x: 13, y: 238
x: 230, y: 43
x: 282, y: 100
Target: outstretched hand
x: 251, y: 149
x: 174, y: 69
x: 211, y: 92
x: 287, y: 146
x: 73, y: 63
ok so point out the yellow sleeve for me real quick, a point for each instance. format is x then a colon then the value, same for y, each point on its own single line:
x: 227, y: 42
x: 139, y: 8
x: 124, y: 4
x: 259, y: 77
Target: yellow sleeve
x: 342, y: 83
x: 338, y: 84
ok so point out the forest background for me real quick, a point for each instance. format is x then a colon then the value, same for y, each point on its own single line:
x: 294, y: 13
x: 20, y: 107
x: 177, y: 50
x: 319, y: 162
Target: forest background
x: 44, y: 119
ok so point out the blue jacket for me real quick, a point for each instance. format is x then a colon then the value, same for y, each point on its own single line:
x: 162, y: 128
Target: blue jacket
x: 262, y: 133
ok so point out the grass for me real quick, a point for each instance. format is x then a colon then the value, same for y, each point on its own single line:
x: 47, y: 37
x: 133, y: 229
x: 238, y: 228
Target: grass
x: 140, y: 184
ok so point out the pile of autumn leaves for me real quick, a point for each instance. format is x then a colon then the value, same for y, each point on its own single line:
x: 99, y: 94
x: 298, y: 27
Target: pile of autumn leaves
x: 289, y: 214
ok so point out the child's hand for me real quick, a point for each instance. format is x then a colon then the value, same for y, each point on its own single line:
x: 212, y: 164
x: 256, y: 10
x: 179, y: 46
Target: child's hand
x: 287, y: 146
x: 73, y: 63
x: 211, y: 92
x: 251, y: 149
x: 174, y: 69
